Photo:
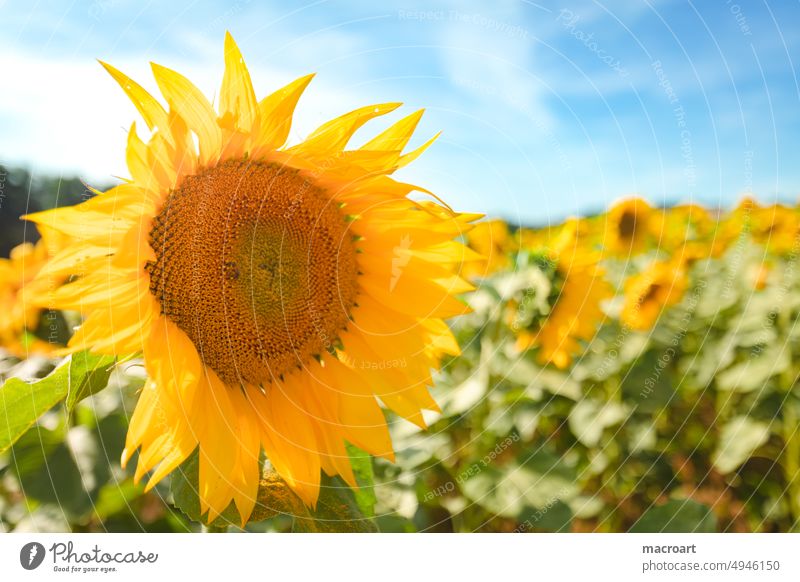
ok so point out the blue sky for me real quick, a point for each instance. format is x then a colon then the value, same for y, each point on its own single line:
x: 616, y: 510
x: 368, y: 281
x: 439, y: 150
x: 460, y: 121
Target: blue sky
x: 547, y: 110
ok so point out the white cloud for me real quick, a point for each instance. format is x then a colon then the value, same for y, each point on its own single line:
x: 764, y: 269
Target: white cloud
x: 70, y: 116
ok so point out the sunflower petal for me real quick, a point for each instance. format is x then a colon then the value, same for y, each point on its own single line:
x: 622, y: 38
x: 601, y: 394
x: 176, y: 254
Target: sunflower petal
x: 237, y: 100
x: 150, y: 109
x: 332, y: 137
x: 193, y: 107
x: 275, y: 115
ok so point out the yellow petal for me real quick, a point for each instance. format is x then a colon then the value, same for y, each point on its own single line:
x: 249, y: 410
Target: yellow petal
x: 193, y: 107
x: 237, y: 98
x: 333, y: 136
x: 397, y: 136
x: 275, y: 115
x: 151, y: 110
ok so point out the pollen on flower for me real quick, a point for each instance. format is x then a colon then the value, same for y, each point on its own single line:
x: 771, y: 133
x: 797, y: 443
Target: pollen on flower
x: 257, y: 265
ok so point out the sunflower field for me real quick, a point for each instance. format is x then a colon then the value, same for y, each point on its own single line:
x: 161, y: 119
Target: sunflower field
x: 630, y: 371
x: 254, y: 333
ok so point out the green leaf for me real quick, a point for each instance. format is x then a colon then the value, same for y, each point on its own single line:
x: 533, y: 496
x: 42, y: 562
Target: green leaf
x: 555, y: 517
x: 754, y: 372
x: 88, y: 374
x: 47, y: 472
x: 677, y: 516
x: 336, y: 511
x: 537, y: 482
x: 589, y: 418
x: 22, y: 403
x: 116, y: 497
x: 362, y: 468
x: 650, y: 383
x: 739, y: 439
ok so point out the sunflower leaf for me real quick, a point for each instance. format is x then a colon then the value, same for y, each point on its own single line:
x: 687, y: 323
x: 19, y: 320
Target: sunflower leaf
x: 22, y: 403
x: 362, y: 468
x: 88, y: 374
x: 337, y: 511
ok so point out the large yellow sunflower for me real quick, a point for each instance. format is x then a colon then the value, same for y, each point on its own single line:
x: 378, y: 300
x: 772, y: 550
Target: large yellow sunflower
x: 19, y: 289
x: 578, y: 290
x: 649, y: 293
x: 271, y: 289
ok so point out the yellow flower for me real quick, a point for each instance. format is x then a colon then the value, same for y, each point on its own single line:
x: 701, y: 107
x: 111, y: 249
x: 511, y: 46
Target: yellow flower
x: 759, y: 275
x: 491, y: 241
x: 628, y: 227
x: 274, y: 291
x: 19, y: 288
x: 681, y: 224
x: 579, y: 289
x: 648, y: 293
x: 777, y: 227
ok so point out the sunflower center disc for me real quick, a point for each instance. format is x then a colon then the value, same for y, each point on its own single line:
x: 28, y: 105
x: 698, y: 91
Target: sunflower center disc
x: 627, y: 225
x: 256, y: 264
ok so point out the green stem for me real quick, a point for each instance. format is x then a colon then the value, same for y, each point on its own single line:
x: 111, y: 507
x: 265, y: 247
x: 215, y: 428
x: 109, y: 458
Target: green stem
x: 215, y: 528
x: 613, y: 393
x: 791, y: 461
x: 789, y: 429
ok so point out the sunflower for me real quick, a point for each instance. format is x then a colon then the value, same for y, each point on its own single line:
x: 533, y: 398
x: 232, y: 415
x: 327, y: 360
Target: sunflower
x: 574, y: 304
x: 269, y: 288
x: 681, y: 224
x: 491, y: 242
x: 648, y: 293
x: 22, y: 328
x: 629, y: 226
x: 777, y: 227
x: 760, y: 274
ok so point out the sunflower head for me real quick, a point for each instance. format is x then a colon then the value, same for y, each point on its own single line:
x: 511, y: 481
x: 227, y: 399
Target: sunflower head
x: 777, y: 227
x: 571, y: 310
x: 268, y: 287
x: 628, y: 227
x: 23, y: 330
x: 681, y: 224
x: 648, y: 293
x: 493, y: 243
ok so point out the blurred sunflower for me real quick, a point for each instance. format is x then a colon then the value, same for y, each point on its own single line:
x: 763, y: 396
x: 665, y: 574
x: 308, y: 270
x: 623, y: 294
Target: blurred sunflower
x: 648, y: 293
x: 683, y: 223
x: 777, y: 227
x: 628, y: 226
x: 267, y: 286
x: 573, y: 306
x: 22, y: 328
x: 759, y: 275
x: 739, y: 221
x: 492, y: 241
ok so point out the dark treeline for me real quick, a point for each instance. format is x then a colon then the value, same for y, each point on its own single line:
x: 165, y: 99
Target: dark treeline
x: 22, y: 192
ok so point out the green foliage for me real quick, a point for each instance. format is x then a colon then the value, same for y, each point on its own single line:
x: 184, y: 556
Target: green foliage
x: 690, y: 426
x: 677, y: 516
x: 22, y: 403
